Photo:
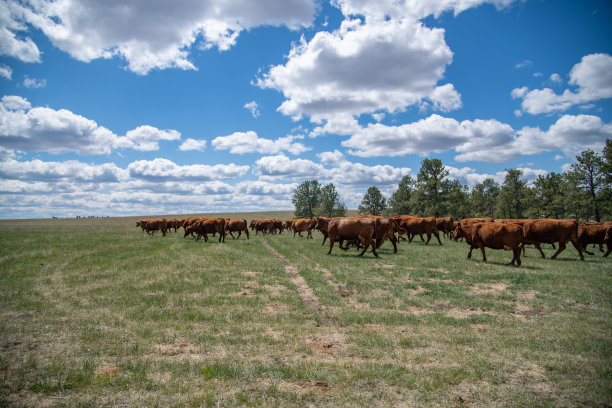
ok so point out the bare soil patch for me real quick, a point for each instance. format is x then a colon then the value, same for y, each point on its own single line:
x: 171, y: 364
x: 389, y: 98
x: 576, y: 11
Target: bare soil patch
x: 488, y: 288
x: 308, y: 297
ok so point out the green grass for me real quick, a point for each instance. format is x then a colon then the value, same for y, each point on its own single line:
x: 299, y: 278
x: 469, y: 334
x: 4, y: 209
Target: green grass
x: 95, y: 313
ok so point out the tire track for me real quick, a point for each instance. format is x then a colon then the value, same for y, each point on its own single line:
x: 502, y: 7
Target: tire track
x: 311, y: 301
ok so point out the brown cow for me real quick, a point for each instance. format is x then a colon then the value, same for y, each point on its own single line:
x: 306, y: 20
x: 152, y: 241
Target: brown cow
x: 205, y: 226
x: 322, y: 224
x: 594, y: 234
x: 265, y: 226
x: 362, y: 229
x: 153, y: 225
x: 385, y: 230
x: 303, y: 224
x: 497, y: 236
x: 418, y: 225
x: 287, y: 225
x: 445, y: 225
x: 459, y: 231
x: 236, y: 225
x: 549, y: 231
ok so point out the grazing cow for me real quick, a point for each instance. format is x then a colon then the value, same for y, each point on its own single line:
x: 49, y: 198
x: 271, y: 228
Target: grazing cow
x: 550, y: 231
x: 362, y: 229
x: 418, y: 225
x: 594, y: 234
x: 236, y: 225
x: 205, y: 226
x: 303, y: 224
x: 497, y: 236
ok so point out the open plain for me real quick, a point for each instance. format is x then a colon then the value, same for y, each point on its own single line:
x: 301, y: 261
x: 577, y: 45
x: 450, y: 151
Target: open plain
x: 93, y: 312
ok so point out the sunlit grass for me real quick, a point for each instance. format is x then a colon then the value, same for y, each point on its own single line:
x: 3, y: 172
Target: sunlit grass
x: 93, y: 312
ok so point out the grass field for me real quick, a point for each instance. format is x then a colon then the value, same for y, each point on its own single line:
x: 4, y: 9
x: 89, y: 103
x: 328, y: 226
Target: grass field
x: 95, y: 313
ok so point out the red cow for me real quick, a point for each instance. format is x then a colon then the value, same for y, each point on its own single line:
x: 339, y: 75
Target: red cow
x: 303, y: 225
x: 362, y: 229
x: 236, y: 225
x: 497, y: 236
x: 550, y: 231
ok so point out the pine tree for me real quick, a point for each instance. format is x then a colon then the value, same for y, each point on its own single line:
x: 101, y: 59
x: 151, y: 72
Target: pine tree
x: 373, y: 202
x: 433, y: 185
x: 400, y: 200
x: 590, y: 172
x: 306, y: 199
x: 331, y: 206
x: 484, y: 198
x: 511, y: 196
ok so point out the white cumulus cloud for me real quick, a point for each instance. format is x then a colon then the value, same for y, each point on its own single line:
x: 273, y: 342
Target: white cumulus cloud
x: 249, y: 142
x: 148, y: 35
x: 592, y: 77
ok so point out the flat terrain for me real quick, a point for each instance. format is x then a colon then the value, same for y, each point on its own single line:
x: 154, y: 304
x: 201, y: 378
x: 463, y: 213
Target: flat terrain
x: 95, y: 313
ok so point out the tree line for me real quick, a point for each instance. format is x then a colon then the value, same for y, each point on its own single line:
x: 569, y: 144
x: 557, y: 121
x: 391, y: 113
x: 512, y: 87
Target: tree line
x: 583, y: 192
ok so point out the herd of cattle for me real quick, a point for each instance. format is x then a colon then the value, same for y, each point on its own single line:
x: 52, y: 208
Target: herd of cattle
x: 372, y: 231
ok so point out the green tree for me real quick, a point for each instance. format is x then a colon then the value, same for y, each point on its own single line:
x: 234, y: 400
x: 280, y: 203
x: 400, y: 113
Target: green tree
x: 400, y: 200
x: 432, y: 183
x: 373, y: 202
x: 549, y: 198
x: 591, y: 178
x: 457, y: 200
x: 484, y: 198
x: 511, y: 196
x: 306, y: 199
x: 574, y: 198
x: 331, y: 206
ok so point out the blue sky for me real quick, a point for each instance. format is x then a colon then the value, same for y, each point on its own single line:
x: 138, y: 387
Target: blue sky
x: 136, y: 108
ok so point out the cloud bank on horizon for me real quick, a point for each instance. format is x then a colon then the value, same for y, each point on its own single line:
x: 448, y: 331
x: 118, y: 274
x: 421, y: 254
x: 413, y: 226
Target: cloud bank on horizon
x: 126, y: 108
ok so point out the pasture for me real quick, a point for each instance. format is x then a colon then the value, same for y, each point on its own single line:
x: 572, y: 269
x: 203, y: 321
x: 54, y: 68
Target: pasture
x: 95, y: 313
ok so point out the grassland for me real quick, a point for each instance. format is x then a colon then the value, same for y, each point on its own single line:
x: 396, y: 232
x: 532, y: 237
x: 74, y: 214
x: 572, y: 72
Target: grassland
x: 95, y: 313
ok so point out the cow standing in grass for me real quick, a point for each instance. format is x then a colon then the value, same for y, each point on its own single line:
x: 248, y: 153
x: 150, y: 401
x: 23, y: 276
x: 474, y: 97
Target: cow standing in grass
x: 497, y: 236
x: 550, y: 231
x: 236, y: 225
x: 349, y: 229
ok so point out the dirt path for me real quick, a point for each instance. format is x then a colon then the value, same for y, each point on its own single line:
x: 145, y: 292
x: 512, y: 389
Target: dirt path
x: 308, y: 297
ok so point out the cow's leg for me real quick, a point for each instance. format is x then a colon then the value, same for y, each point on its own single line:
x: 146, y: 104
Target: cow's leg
x: 539, y: 248
x: 394, y: 242
x: 365, y: 243
x: 331, y: 245
x: 324, y: 239
x: 609, y: 245
x: 438, y: 236
x: 578, y: 247
x: 517, y: 256
x: 587, y: 251
x: 484, y: 257
x: 232, y: 235
x: 469, y: 255
x: 600, y: 247
x: 561, y: 248
x: 309, y: 234
x: 428, y: 238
